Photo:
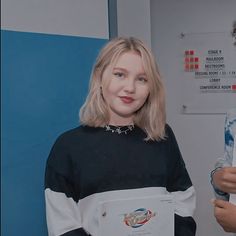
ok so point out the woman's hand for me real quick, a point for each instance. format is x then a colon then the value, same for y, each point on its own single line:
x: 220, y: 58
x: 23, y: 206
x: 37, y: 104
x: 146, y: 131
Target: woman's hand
x: 225, y: 214
x: 225, y: 179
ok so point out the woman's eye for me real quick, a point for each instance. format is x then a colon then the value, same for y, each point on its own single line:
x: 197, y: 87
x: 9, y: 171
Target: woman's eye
x: 119, y: 74
x: 142, y: 79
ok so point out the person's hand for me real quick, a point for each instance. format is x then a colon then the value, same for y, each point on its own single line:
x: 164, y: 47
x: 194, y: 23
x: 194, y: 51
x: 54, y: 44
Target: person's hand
x: 225, y: 179
x: 225, y: 214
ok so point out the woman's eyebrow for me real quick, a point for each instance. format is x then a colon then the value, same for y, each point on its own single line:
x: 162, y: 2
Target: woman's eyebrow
x: 143, y: 74
x: 119, y: 68
x: 125, y: 70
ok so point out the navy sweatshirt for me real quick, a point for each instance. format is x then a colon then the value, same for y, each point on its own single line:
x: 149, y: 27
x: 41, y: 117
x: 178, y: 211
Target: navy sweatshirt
x: 88, y: 165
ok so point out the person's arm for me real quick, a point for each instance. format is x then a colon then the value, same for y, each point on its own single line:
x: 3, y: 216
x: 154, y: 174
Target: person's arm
x: 223, y: 177
x: 62, y: 212
x: 225, y: 214
x: 182, y: 190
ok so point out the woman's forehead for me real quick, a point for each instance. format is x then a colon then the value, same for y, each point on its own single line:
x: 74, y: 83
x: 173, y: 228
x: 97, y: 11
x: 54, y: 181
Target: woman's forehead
x: 124, y: 58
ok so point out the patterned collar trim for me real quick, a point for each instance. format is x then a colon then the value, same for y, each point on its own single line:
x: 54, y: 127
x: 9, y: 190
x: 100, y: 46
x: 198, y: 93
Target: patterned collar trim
x: 119, y: 129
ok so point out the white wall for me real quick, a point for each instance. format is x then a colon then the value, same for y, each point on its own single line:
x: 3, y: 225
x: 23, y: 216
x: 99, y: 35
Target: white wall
x: 87, y: 18
x: 133, y: 19
x: 200, y: 137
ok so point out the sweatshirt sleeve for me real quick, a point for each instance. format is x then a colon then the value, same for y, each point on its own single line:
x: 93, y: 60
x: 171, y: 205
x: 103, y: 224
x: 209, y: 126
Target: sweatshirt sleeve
x: 227, y: 159
x: 182, y: 190
x: 62, y: 211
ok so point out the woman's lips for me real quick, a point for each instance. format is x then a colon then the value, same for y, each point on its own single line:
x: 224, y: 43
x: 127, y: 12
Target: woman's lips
x: 126, y: 99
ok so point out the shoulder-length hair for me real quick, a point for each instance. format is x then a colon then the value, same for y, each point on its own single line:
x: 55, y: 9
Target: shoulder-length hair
x: 151, y: 117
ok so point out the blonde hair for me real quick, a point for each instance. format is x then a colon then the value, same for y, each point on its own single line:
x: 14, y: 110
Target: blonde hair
x: 151, y: 117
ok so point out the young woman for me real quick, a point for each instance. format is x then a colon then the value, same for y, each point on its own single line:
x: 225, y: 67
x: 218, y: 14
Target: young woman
x: 224, y: 178
x: 123, y: 149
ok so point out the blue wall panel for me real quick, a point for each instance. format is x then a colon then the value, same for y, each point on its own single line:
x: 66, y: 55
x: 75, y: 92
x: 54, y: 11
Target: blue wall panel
x: 44, y: 83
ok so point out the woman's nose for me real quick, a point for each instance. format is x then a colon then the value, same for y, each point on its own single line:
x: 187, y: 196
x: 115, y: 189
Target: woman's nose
x: 130, y: 85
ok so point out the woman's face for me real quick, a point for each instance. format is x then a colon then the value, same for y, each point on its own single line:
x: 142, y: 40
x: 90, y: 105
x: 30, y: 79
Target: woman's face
x: 127, y: 89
